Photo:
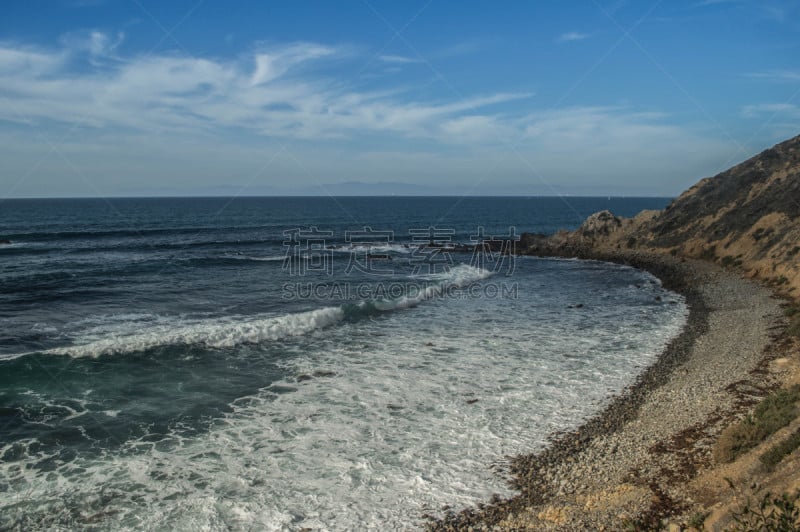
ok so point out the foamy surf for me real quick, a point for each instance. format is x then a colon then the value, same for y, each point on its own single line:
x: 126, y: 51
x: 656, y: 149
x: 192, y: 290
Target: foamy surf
x: 372, y: 425
x: 268, y: 258
x: 230, y: 332
x: 214, y: 334
x: 376, y: 248
x: 367, y: 421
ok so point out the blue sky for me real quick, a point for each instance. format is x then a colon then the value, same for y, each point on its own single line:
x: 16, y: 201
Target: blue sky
x: 136, y: 97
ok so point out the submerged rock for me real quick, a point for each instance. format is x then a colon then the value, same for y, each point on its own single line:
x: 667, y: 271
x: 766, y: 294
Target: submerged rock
x: 317, y: 374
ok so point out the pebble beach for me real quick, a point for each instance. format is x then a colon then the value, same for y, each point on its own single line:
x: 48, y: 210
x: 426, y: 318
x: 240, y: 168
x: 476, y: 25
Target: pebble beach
x: 629, y: 465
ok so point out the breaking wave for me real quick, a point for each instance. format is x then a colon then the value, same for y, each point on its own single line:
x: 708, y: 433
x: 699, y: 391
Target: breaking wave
x: 230, y: 332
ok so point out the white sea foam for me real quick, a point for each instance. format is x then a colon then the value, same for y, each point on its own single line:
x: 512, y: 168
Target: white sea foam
x: 15, y: 245
x: 456, y: 277
x: 376, y: 248
x: 230, y: 332
x: 267, y: 258
x: 408, y: 414
x: 216, y: 334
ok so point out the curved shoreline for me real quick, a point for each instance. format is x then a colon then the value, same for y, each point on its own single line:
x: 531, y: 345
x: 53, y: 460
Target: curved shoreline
x: 628, y: 461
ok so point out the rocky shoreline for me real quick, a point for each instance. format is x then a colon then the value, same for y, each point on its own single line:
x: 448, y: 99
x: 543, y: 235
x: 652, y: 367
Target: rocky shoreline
x: 631, y: 463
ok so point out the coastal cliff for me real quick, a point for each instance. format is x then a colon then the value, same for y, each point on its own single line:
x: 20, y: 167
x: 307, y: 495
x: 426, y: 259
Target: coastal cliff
x: 651, y: 460
x: 746, y: 218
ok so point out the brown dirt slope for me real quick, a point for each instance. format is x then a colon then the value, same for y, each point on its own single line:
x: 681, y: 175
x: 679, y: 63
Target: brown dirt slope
x: 746, y: 218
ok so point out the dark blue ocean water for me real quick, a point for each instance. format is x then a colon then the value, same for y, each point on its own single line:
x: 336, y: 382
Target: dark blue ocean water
x: 287, y: 362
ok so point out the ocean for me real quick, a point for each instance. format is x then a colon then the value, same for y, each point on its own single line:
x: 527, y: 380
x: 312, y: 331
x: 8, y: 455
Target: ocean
x: 289, y: 363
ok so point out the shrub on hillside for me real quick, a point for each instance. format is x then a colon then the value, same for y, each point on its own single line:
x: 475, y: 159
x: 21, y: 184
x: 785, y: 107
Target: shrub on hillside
x: 773, y: 514
x: 772, y: 413
x: 772, y: 457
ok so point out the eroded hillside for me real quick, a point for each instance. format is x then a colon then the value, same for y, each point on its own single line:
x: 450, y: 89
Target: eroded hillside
x: 747, y: 217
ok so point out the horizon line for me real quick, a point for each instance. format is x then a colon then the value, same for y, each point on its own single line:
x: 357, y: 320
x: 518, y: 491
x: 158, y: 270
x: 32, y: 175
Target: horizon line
x: 315, y: 196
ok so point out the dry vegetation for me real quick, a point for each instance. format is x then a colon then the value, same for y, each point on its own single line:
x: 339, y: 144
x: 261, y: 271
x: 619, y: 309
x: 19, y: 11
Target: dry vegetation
x: 772, y: 413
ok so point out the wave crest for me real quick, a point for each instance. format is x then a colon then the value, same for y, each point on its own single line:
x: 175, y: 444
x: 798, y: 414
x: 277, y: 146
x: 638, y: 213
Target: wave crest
x: 229, y: 332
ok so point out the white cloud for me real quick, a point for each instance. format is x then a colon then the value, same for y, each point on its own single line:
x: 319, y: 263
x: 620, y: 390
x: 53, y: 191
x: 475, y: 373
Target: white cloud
x: 791, y: 76
x: 275, y: 63
x: 572, y: 36
x: 603, y: 124
x: 24, y: 62
x: 781, y: 110
x: 398, y: 59
x: 602, y: 144
x: 202, y: 118
x: 479, y: 129
x: 272, y: 92
x: 101, y: 44
x: 776, y: 11
x: 97, y: 43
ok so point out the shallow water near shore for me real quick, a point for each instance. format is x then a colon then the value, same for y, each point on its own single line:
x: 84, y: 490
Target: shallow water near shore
x: 163, y: 369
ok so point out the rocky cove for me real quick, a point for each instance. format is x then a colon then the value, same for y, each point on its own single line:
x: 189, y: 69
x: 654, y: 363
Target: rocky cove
x: 646, y: 461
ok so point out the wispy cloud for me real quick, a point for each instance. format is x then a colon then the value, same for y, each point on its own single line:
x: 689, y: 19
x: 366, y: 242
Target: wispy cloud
x: 97, y: 43
x: 275, y: 91
x: 779, y: 11
x: 274, y: 63
x: 227, y: 116
x: 706, y: 3
x: 571, y: 36
x: 460, y: 49
x: 783, y: 110
x: 597, y: 144
x: 398, y: 59
x: 777, y: 75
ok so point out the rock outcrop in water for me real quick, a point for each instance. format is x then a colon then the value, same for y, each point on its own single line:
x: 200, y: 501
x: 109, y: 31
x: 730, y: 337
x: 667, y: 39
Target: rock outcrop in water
x: 747, y: 218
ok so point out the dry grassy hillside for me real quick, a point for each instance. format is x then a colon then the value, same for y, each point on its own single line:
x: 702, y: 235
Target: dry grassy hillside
x: 746, y: 218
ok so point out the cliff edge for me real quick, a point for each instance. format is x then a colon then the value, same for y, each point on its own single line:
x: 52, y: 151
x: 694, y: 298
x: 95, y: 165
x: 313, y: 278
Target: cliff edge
x: 746, y: 218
